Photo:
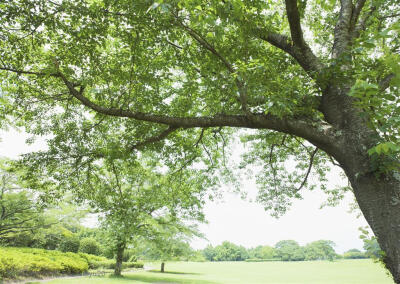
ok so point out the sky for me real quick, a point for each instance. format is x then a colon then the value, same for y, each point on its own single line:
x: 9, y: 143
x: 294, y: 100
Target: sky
x: 246, y: 223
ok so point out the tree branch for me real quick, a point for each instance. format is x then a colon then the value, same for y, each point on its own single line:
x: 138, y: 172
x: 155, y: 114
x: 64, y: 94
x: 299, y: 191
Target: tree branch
x: 303, y: 55
x: 156, y: 138
x: 308, y: 170
x: 240, y: 85
x: 28, y: 72
x: 298, y: 127
x: 342, y: 29
x: 356, y: 13
x: 294, y: 22
x: 385, y: 82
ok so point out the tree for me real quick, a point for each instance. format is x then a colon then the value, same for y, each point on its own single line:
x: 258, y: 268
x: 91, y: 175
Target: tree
x: 90, y: 246
x: 371, y: 246
x: 20, y: 211
x: 262, y: 252
x: 354, y: 254
x: 289, y: 250
x: 228, y: 251
x: 209, y: 253
x: 185, y: 71
x: 320, y: 250
x: 169, y: 240
x: 134, y: 199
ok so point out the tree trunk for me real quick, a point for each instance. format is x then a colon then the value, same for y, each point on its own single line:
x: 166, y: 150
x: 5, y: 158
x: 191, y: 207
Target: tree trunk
x: 118, y: 262
x: 379, y: 200
x: 162, y: 267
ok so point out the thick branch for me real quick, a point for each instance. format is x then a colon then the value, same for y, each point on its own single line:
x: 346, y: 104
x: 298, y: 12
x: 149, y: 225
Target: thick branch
x: 294, y: 23
x: 322, y: 138
x: 362, y: 23
x: 356, y: 13
x: 342, y: 29
x: 303, y: 55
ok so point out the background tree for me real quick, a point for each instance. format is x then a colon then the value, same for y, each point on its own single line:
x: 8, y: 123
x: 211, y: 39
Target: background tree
x: 138, y: 73
x: 320, y: 250
x: 170, y: 240
x: 354, y: 254
x: 133, y: 197
x: 20, y: 210
x: 262, y: 252
x: 371, y: 246
x: 289, y: 250
x: 228, y: 251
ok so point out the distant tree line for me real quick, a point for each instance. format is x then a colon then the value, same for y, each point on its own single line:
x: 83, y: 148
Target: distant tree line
x: 288, y: 250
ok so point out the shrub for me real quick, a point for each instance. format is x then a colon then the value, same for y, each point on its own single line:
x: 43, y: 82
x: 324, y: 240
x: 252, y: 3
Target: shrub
x: 354, y: 254
x: 69, y: 244
x: 110, y: 264
x: 23, y: 262
x: 92, y: 260
x: 129, y: 255
x: 260, y: 259
x: 90, y: 246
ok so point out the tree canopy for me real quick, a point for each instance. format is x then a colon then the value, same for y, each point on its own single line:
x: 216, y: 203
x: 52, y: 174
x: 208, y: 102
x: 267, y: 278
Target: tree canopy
x: 317, y: 80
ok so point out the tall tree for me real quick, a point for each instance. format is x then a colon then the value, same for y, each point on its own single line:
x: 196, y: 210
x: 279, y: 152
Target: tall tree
x: 184, y: 71
x: 20, y: 209
x: 134, y: 198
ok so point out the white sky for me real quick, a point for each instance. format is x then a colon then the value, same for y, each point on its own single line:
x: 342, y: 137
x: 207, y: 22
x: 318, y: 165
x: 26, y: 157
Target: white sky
x: 245, y: 223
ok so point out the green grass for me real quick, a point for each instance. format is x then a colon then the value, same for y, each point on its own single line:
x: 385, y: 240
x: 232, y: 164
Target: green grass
x: 317, y: 272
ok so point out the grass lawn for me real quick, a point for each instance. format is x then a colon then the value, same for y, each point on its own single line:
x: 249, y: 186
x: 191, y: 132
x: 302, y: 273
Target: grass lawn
x: 315, y: 272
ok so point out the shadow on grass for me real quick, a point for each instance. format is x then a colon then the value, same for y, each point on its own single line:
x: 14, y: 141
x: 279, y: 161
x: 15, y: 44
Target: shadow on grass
x: 174, y: 272
x: 159, y: 279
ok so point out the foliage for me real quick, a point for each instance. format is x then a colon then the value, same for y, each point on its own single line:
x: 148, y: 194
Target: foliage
x: 110, y: 264
x: 286, y: 250
x: 354, y: 254
x: 320, y: 250
x: 22, y: 211
x: 227, y: 251
x: 371, y: 246
x: 169, y: 240
x: 89, y: 246
x: 260, y: 259
x: 69, y: 244
x: 262, y: 252
x: 18, y: 262
x: 109, y: 81
x: 289, y: 250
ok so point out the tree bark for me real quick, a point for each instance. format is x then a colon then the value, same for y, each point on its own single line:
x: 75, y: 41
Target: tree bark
x: 162, y: 267
x: 379, y: 200
x: 377, y: 193
x: 118, y: 261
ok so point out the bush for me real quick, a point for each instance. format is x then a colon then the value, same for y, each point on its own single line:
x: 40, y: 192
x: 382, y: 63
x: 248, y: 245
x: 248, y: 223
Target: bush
x: 92, y: 260
x: 90, y: 246
x: 69, y: 244
x: 23, y: 262
x: 354, y: 254
x: 129, y: 255
x: 260, y: 259
x: 110, y: 264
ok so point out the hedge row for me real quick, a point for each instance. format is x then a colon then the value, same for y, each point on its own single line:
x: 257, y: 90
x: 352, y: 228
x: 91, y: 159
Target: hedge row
x: 110, y: 264
x: 30, y: 262
x: 261, y: 259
